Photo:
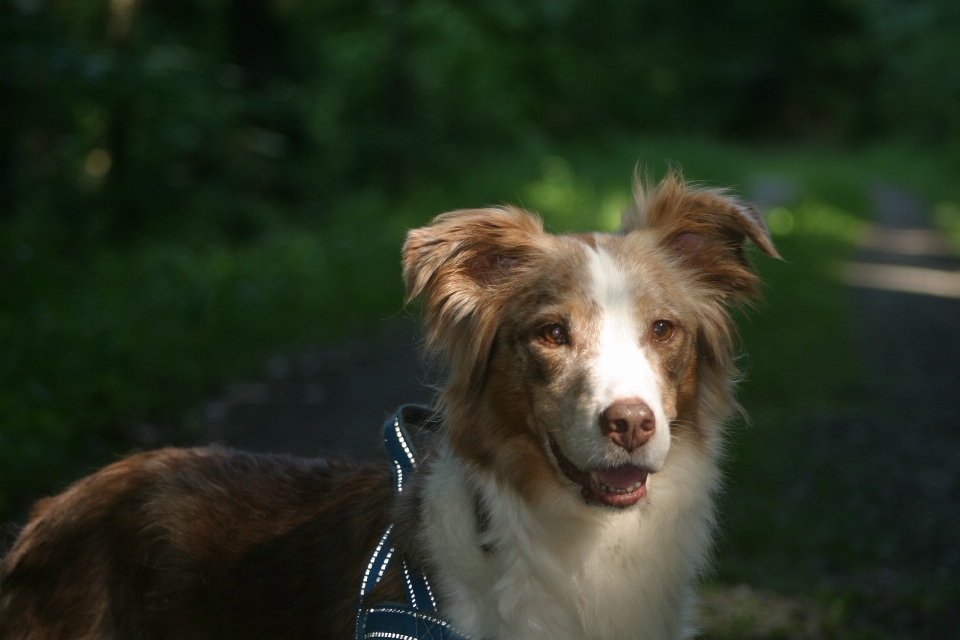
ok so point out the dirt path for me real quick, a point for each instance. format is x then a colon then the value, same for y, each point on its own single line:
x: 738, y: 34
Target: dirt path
x: 905, y: 480
x: 894, y: 469
x: 326, y: 401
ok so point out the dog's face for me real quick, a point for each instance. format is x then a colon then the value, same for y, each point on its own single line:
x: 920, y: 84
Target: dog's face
x: 575, y: 360
x: 597, y: 350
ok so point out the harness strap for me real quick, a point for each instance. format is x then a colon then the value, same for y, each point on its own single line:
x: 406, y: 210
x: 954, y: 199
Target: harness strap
x: 390, y: 620
x: 378, y: 564
x: 399, y: 622
x: 419, y: 594
x: 399, y: 448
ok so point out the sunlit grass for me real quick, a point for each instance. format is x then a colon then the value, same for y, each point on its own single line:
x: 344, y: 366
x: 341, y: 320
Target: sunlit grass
x: 947, y: 218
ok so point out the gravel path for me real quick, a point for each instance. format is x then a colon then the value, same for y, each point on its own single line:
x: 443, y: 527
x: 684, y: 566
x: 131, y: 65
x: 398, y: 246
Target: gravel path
x: 894, y: 470
x: 328, y: 401
x: 905, y: 478
x: 912, y: 343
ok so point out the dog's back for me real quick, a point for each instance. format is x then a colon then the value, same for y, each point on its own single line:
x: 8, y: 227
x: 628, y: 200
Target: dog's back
x: 191, y: 543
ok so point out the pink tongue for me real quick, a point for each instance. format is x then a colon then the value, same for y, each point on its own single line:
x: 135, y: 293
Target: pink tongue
x: 621, y: 477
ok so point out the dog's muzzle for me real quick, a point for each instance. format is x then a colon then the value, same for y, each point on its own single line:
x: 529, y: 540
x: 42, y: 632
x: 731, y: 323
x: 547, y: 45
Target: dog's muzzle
x: 621, y: 486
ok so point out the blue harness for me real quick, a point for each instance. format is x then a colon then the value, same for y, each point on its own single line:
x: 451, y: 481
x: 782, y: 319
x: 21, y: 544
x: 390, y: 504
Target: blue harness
x: 417, y: 620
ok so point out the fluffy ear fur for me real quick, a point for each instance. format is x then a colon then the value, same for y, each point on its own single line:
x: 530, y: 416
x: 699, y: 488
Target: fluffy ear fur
x: 707, y: 228
x: 461, y: 265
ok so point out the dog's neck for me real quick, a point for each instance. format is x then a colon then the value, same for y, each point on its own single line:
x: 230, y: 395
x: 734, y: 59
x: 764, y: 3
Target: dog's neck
x: 506, y: 567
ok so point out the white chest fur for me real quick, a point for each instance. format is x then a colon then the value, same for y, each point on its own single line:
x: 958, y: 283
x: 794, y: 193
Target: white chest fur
x: 562, y: 569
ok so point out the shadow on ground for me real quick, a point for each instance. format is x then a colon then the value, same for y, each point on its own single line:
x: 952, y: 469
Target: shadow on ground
x: 326, y: 401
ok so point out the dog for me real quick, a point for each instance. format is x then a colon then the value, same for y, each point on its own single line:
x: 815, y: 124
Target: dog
x: 570, y: 493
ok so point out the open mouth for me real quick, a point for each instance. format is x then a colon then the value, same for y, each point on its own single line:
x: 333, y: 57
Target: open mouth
x: 620, y: 486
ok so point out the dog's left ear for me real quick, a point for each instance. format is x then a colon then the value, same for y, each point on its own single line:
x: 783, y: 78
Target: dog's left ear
x: 462, y: 266
x: 707, y: 229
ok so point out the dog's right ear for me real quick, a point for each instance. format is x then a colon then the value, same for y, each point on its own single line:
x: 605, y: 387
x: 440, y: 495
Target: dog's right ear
x: 462, y: 267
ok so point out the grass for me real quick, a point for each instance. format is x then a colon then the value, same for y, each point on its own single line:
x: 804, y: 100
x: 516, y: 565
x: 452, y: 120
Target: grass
x: 102, y: 341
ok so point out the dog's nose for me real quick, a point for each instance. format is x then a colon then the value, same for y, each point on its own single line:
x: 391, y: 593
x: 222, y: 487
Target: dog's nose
x: 630, y: 424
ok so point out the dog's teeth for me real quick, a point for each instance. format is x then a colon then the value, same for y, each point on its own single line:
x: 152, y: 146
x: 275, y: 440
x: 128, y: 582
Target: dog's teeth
x: 619, y: 490
x: 607, y: 488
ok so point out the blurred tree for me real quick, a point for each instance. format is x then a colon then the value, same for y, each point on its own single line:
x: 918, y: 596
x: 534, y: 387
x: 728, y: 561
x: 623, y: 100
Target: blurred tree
x: 115, y: 159
x: 257, y: 41
x: 918, y: 89
x: 8, y: 113
x: 123, y: 118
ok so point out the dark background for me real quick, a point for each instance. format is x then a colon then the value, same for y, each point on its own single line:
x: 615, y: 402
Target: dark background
x: 221, y: 109
x: 202, y: 203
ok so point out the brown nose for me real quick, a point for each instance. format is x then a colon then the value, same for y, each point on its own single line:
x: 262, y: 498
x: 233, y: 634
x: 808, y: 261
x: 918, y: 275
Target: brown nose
x: 630, y: 424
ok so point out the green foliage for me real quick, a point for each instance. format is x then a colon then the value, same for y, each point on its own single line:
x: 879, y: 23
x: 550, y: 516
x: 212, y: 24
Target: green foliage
x: 206, y: 113
x: 918, y: 80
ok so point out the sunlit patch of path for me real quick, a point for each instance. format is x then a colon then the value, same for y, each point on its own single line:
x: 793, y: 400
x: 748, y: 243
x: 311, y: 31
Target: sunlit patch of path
x: 891, y: 277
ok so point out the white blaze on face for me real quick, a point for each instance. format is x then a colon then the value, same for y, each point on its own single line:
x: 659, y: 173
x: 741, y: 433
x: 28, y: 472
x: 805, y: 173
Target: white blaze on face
x: 621, y: 370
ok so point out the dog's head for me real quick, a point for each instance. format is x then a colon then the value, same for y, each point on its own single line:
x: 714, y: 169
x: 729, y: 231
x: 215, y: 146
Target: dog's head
x: 578, y: 358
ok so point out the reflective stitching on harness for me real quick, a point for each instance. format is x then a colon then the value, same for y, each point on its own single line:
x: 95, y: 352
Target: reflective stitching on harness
x: 383, y: 567
x: 412, y: 579
x: 399, y: 470
x: 418, y: 615
x: 392, y: 636
x: 373, y: 561
x: 403, y: 441
x: 430, y: 593
x: 410, y: 590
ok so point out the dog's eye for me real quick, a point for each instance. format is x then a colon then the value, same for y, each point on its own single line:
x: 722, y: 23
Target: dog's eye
x: 555, y: 334
x: 662, y: 330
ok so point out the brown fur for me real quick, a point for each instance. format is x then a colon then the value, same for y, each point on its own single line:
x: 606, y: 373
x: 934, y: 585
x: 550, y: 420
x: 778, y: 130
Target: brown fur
x: 202, y: 543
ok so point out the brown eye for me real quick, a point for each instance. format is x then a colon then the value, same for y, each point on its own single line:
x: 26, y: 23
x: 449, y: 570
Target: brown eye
x: 555, y: 334
x: 662, y: 330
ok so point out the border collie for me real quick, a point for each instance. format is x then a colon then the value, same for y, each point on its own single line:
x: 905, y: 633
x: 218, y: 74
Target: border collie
x: 570, y: 493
